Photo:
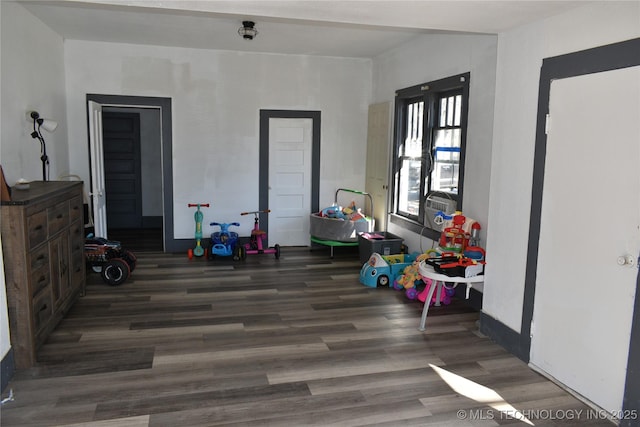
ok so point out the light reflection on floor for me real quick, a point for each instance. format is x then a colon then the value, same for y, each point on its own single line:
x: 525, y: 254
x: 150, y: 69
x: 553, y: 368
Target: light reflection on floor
x: 479, y: 393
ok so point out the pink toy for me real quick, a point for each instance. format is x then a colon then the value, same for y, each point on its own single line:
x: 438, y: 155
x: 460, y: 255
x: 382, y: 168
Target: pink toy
x: 445, y: 294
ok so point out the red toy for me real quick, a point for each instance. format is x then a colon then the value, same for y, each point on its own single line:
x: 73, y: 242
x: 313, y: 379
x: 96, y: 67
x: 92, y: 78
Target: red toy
x: 255, y: 245
x: 454, y: 238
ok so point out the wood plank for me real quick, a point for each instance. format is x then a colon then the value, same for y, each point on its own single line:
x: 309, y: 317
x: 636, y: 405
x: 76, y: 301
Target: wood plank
x: 289, y: 342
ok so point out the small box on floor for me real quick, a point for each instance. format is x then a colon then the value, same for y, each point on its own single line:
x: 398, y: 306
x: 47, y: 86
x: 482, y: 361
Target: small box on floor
x: 380, y: 242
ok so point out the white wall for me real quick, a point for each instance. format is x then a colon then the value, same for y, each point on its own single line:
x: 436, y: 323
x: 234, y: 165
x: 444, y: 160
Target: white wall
x: 216, y: 98
x: 32, y: 78
x: 520, y: 55
x: 433, y: 57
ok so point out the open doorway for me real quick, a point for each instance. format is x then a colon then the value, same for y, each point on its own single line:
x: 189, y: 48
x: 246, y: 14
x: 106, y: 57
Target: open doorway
x: 134, y: 175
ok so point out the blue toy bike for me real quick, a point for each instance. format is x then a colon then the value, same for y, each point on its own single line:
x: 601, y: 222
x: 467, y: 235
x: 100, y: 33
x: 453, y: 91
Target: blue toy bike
x: 225, y: 242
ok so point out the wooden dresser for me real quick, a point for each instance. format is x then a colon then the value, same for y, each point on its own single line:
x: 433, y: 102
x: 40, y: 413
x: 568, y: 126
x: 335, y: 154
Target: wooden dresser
x: 43, y: 249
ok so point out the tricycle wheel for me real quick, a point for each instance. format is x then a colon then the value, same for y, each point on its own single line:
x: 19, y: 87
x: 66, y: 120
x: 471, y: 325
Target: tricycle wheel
x: 198, y: 251
x: 115, y: 272
x: 277, y: 248
x: 239, y: 253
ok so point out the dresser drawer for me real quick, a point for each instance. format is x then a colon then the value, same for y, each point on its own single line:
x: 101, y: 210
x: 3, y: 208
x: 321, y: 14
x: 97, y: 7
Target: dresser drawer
x: 76, y: 209
x: 42, y: 305
x: 37, y: 228
x: 58, y: 217
x: 40, y: 279
x: 76, y: 236
x: 77, y: 267
x: 39, y: 257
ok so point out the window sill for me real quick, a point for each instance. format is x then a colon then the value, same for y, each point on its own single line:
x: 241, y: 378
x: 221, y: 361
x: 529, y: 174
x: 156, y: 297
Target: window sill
x: 415, y: 227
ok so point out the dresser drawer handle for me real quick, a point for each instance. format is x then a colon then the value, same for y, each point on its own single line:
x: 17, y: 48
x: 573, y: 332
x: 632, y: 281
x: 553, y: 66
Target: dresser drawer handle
x: 43, y: 308
x: 40, y: 257
x: 59, y: 216
x: 38, y: 227
x: 42, y: 279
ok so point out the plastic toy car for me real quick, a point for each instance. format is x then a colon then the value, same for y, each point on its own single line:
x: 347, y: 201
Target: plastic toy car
x: 225, y: 242
x: 382, y: 270
x: 108, y: 258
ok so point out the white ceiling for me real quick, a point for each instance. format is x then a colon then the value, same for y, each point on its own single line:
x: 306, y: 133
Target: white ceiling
x: 358, y: 28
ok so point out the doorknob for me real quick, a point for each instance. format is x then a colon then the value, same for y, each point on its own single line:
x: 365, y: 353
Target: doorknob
x: 627, y: 260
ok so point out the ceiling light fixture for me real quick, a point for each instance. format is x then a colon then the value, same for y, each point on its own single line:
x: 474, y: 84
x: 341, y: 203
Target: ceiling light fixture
x: 49, y: 126
x: 247, y: 31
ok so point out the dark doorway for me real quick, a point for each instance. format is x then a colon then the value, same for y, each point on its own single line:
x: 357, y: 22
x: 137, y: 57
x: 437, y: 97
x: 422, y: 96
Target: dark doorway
x: 122, y: 170
x: 157, y: 171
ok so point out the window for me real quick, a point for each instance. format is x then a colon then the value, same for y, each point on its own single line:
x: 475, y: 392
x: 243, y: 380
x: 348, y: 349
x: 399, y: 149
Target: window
x: 429, y: 149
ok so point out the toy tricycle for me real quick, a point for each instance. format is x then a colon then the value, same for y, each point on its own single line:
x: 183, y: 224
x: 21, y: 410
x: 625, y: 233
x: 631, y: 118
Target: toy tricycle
x: 224, y: 242
x: 255, y: 245
x: 108, y: 258
x: 198, y: 217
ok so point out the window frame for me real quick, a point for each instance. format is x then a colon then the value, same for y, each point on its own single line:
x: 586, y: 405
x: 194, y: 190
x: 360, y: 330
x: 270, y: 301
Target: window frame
x: 430, y: 93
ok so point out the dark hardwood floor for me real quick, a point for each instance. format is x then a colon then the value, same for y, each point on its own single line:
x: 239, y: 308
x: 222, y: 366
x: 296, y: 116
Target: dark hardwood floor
x: 139, y: 239
x: 290, y: 342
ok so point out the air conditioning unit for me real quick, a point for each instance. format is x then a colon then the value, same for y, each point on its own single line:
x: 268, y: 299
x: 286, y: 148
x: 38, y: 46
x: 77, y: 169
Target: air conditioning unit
x: 435, y: 204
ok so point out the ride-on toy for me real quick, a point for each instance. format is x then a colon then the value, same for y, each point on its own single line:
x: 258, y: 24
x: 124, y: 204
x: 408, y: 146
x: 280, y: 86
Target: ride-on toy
x: 224, y: 242
x: 108, y: 258
x: 255, y: 245
x: 198, y: 217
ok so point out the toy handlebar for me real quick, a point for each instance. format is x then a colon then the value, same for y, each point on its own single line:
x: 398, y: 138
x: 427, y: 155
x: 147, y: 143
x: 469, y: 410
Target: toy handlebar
x: 206, y: 205
x: 255, y: 212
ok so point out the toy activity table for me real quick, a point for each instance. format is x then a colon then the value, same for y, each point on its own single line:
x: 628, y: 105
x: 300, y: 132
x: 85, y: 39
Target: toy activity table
x: 438, y: 279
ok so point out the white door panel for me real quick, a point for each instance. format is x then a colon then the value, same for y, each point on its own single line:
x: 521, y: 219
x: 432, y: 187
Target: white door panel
x: 590, y: 217
x: 97, y: 169
x: 378, y: 146
x: 290, y: 142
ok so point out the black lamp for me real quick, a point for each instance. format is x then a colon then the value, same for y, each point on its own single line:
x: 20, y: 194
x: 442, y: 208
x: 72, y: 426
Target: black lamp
x: 49, y: 126
x: 247, y: 31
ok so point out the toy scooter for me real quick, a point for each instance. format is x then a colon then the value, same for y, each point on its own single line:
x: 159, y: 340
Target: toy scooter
x: 255, y: 245
x: 198, y: 217
x: 224, y: 242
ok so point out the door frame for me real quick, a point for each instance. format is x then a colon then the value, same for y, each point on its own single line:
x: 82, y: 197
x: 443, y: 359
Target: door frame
x: 164, y: 104
x: 600, y: 59
x: 263, y: 173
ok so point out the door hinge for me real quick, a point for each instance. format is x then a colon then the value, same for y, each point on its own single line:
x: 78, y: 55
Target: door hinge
x: 547, y: 123
x: 532, y: 329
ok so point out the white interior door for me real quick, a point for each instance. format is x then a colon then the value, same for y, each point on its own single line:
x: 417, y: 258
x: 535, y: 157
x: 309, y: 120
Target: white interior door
x: 290, y: 142
x: 99, y: 206
x: 584, y: 299
x: 378, y: 146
